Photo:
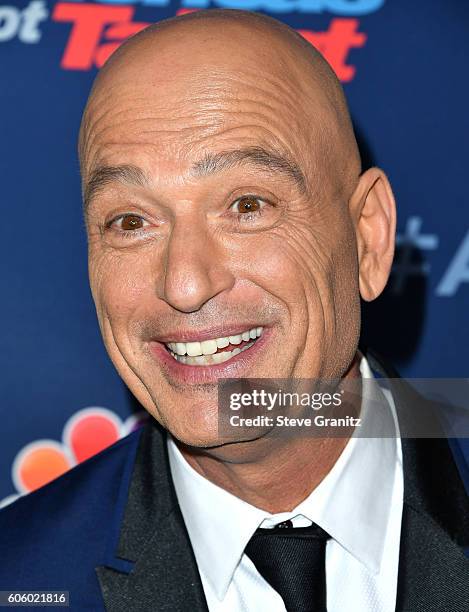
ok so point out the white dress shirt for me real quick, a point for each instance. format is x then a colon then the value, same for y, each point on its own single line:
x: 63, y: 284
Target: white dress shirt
x: 359, y: 503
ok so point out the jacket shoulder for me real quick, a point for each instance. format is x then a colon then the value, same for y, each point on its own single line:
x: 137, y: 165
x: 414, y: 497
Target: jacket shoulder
x: 54, y: 537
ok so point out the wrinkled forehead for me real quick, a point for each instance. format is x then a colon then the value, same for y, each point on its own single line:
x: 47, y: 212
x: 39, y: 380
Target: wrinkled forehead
x: 189, y: 116
x: 174, y: 102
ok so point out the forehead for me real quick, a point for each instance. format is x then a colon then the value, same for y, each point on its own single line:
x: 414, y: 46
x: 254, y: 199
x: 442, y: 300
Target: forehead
x: 177, y: 111
x: 182, y: 125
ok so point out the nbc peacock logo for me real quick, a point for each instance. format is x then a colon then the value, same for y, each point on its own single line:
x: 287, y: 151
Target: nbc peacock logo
x: 86, y: 433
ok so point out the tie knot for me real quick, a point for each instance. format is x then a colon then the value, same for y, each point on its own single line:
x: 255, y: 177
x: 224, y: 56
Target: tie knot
x: 292, y: 560
x: 287, y: 530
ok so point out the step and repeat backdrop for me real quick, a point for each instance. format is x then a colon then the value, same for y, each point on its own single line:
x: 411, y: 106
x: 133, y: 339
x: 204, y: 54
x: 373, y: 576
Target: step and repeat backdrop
x: 404, y: 68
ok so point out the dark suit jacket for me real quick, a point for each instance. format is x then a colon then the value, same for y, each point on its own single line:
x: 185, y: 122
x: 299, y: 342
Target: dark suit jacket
x: 111, y: 533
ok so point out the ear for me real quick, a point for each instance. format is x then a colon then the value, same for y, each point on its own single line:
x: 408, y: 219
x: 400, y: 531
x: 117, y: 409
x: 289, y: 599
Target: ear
x: 373, y: 210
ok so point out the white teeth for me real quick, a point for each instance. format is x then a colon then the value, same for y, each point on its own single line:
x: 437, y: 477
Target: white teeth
x: 180, y: 348
x: 205, y: 360
x: 193, y: 349
x: 210, y: 347
x: 222, y: 342
x: 221, y: 357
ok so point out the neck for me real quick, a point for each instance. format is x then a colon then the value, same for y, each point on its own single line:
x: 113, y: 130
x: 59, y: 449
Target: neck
x: 273, y: 474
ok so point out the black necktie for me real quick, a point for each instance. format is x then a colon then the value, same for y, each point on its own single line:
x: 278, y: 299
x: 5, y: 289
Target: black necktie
x: 293, y: 561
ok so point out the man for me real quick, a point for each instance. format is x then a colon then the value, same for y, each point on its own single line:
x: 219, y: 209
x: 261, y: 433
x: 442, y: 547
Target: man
x: 231, y: 235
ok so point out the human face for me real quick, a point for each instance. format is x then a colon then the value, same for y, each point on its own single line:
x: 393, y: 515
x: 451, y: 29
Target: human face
x: 212, y: 214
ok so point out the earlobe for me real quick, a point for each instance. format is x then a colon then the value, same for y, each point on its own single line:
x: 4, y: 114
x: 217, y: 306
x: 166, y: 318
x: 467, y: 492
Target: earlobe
x: 373, y: 209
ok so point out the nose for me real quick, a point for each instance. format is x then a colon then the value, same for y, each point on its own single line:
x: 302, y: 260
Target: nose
x: 195, y: 268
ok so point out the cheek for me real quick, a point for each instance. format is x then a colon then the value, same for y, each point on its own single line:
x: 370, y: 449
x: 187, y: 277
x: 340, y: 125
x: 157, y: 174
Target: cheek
x: 280, y: 265
x: 293, y: 263
x: 276, y: 266
x: 310, y: 265
x: 119, y: 283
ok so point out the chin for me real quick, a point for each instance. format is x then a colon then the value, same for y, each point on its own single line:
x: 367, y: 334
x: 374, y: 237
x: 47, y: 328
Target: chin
x: 193, y: 423
x: 199, y: 429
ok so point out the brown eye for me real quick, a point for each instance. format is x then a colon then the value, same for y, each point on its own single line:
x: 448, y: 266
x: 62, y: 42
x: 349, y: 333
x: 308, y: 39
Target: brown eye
x: 248, y: 204
x: 131, y: 222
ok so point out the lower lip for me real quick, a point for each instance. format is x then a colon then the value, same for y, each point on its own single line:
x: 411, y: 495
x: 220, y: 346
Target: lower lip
x: 238, y: 366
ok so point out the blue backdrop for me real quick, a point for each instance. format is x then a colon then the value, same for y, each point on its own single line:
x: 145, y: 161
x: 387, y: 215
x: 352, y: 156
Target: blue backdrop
x: 404, y: 68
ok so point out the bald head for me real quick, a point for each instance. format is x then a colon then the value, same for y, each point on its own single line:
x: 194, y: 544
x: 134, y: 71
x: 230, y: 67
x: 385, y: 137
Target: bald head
x: 202, y: 68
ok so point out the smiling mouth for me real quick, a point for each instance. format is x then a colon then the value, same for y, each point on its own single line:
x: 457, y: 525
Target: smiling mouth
x: 214, y: 351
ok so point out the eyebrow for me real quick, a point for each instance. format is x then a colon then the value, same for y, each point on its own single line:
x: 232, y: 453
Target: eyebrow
x: 211, y: 163
x: 258, y: 156
x: 102, y: 176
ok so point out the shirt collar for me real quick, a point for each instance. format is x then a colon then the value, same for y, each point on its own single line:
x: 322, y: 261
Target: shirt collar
x: 345, y: 503
x: 219, y: 524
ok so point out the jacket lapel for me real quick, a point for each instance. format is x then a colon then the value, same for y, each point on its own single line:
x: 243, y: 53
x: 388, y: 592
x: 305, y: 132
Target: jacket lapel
x: 152, y: 565
x: 433, y: 570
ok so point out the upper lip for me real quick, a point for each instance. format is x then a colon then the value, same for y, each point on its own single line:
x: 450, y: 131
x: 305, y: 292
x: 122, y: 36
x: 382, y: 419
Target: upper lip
x: 192, y: 335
